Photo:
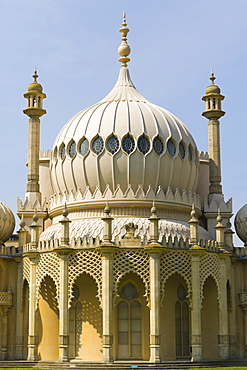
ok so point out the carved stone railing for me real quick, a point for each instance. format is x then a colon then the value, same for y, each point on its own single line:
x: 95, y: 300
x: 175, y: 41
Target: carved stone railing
x: 6, y: 299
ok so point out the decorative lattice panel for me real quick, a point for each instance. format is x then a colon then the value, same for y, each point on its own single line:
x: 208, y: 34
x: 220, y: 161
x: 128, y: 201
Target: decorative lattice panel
x: 48, y: 265
x: 209, y: 266
x: 26, y: 269
x: 88, y: 262
x: 173, y: 262
x: 128, y: 261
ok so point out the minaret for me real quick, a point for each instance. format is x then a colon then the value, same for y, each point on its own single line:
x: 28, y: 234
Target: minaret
x: 34, y: 111
x: 213, y: 113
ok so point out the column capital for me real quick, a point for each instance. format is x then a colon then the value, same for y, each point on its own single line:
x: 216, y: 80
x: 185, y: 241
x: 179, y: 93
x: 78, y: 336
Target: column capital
x: 155, y: 248
x: 196, y: 250
x: 63, y: 250
x: 32, y: 255
x: 107, y: 248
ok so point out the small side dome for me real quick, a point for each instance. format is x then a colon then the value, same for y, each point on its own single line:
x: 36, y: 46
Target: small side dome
x: 35, y: 86
x: 241, y: 224
x: 212, y: 89
x: 7, y: 223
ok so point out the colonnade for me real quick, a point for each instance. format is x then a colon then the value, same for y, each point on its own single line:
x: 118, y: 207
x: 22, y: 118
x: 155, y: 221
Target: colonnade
x: 107, y: 250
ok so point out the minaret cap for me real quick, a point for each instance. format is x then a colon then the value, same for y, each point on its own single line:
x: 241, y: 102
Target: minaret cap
x: 212, y: 89
x: 35, y: 86
x: 124, y: 49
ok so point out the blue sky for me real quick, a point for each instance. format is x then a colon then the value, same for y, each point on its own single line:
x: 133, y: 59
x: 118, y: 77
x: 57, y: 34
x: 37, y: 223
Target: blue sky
x: 74, y: 45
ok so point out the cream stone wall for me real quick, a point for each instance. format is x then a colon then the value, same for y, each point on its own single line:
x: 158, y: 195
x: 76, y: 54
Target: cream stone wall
x: 48, y: 322
x: 203, y: 180
x: 167, y: 317
x: 8, y: 278
x: 210, y: 321
x: 89, y: 335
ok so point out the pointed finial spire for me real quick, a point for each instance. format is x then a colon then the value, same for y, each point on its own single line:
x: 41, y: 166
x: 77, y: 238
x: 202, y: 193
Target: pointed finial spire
x: 35, y: 216
x: 65, y: 211
x: 35, y: 75
x: 107, y: 209
x: 219, y: 218
x: 124, y: 49
x: 22, y: 222
x: 212, y: 77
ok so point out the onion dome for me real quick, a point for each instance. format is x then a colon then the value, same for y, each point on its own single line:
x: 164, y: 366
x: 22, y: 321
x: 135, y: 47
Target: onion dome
x: 35, y: 86
x: 241, y: 224
x: 212, y: 89
x: 7, y: 223
x: 124, y: 141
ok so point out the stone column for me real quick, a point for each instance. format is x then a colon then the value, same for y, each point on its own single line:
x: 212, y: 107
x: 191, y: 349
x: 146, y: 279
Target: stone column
x: 245, y: 331
x: 63, y: 251
x: 4, y: 332
x: 223, y: 312
x: 32, y: 335
x: 232, y: 321
x: 63, y: 306
x: 32, y: 254
x: 196, y: 329
x: 19, y: 313
x: 107, y: 250
x: 154, y: 252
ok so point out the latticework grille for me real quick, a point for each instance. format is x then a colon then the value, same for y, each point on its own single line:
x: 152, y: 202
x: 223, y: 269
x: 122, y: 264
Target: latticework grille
x: 48, y: 265
x: 173, y: 262
x: 88, y: 262
x: 128, y: 261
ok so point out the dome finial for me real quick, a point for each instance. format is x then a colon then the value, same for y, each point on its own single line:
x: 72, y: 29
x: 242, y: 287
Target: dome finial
x: 212, y: 77
x: 35, y: 75
x: 124, y: 49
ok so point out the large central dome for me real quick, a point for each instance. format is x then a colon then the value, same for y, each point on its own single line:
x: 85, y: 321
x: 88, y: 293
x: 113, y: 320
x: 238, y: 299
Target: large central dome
x: 124, y: 141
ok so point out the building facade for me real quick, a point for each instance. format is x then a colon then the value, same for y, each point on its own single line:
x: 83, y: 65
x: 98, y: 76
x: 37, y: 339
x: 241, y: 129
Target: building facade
x: 125, y: 248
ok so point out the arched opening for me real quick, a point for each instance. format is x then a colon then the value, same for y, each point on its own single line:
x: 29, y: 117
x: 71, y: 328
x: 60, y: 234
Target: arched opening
x: 132, y: 320
x: 175, y: 320
x: 129, y: 323
x: 48, y: 321
x: 182, y: 323
x: 210, y: 320
x: 85, y: 321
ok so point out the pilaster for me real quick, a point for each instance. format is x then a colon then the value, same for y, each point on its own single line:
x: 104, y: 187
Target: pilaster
x: 4, y: 333
x: 63, y: 304
x: 196, y: 329
x: 223, y: 310
x: 154, y: 251
x: 19, y: 312
x: 32, y: 334
x: 107, y: 250
x: 243, y: 304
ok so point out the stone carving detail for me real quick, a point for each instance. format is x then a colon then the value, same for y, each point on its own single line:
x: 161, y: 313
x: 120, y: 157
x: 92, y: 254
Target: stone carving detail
x: 136, y: 262
x: 173, y: 262
x: 88, y: 262
x: 209, y: 266
x: 243, y: 299
x: 228, y: 269
x: 26, y: 269
x: 6, y: 299
x: 130, y: 230
x: 48, y: 265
